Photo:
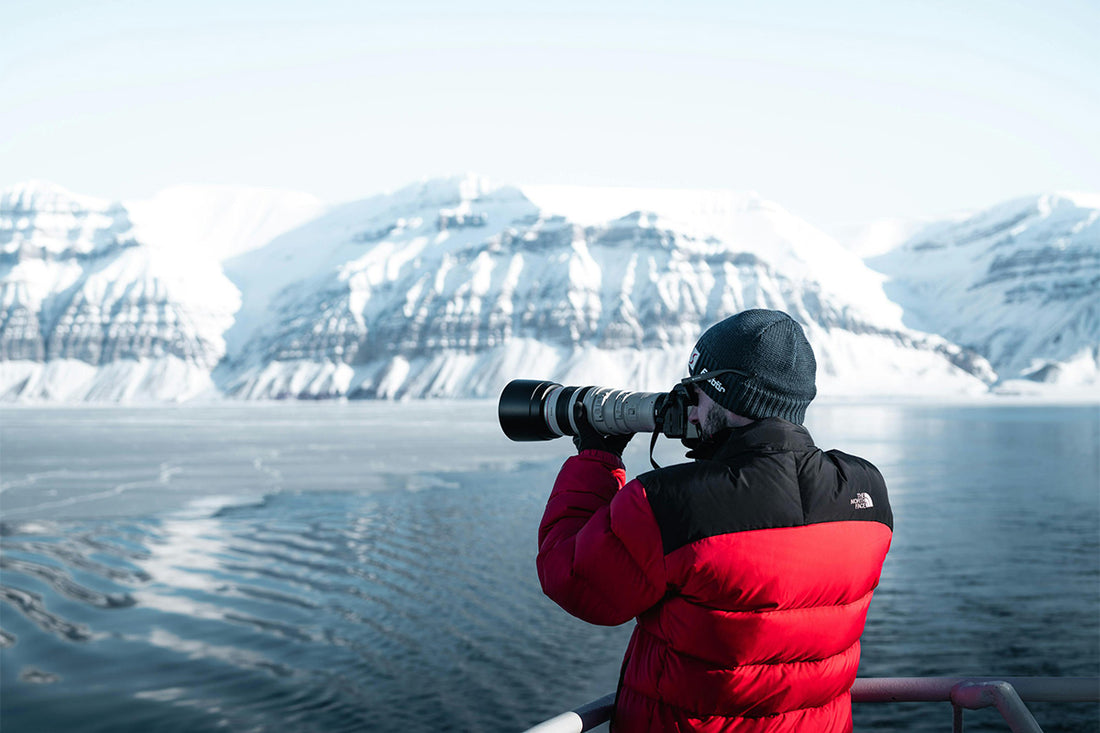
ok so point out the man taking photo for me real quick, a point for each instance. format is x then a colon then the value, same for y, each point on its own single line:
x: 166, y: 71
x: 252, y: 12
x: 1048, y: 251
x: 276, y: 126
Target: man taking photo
x: 749, y: 569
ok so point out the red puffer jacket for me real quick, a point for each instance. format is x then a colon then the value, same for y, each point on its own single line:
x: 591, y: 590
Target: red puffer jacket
x: 750, y: 574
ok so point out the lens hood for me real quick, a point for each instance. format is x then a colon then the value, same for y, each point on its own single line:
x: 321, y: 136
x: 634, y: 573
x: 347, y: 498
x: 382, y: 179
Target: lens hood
x: 522, y: 410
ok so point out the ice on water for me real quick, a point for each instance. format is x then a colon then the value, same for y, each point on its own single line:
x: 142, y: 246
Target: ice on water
x: 89, y: 462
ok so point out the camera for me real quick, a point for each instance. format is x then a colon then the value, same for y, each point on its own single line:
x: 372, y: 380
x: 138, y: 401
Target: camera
x: 530, y: 409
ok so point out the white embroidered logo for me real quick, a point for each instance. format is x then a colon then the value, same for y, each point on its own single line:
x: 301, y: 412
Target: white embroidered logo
x: 862, y: 501
x: 694, y: 358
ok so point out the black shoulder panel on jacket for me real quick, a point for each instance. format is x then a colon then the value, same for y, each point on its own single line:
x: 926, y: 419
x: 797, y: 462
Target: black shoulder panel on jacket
x: 858, y: 490
x: 763, y: 490
x: 692, y: 501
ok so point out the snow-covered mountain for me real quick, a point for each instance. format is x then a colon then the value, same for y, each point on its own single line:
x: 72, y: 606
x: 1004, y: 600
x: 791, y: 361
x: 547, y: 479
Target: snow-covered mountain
x: 1018, y: 283
x: 88, y: 312
x: 444, y: 288
x: 450, y: 288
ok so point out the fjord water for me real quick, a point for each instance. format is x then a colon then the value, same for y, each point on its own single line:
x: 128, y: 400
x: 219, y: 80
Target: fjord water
x: 370, y: 566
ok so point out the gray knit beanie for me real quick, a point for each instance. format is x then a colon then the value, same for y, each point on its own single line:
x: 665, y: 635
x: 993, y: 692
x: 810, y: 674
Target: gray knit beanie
x: 771, y: 348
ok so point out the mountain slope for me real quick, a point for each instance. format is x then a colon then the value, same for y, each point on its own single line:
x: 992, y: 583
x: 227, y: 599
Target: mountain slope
x: 1018, y: 283
x: 88, y: 312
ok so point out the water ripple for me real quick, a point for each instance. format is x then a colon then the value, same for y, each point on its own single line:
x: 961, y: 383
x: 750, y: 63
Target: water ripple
x: 65, y: 585
x: 32, y: 606
x: 75, y: 555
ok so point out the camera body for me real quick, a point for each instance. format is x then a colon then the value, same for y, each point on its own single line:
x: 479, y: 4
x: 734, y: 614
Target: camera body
x: 530, y: 409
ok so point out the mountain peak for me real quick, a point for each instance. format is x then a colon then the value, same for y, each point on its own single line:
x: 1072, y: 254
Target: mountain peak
x: 40, y: 219
x: 1002, y: 223
x: 46, y: 197
x: 1081, y: 199
x: 589, y: 205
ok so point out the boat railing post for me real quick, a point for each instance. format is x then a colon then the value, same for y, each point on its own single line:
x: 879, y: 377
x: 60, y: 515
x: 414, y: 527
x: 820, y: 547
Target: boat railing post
x: 998, y: 694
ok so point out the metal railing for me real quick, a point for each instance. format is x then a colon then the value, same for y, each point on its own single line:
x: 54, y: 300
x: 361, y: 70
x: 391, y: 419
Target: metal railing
x: 1007, y: 694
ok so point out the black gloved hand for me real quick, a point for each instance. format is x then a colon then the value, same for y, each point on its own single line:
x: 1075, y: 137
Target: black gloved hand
x: 588, y: 439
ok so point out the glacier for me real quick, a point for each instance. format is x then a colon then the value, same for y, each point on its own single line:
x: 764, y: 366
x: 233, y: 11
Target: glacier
x: 451, y: 287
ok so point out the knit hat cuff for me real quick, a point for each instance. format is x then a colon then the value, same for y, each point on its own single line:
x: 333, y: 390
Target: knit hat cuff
x: 747, y: 400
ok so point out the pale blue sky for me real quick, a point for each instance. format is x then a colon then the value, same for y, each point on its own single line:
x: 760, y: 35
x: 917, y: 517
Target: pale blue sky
x: 841, y: 111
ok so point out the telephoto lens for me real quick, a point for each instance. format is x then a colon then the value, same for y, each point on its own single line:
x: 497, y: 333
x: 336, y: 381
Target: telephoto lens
x: 530, y: 409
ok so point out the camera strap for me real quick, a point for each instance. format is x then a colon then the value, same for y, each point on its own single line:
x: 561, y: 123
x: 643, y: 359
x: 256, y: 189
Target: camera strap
x: 658, y: 426
x: 652, y: 445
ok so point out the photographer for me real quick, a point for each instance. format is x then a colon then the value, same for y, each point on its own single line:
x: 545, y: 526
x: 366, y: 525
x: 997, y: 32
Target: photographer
x: 749, y: 570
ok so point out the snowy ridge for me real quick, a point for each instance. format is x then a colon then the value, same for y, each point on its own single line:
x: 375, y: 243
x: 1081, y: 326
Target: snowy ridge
x: 1018, y: 283
x: 43, y: 220
x: 744, y: 221
x: 219, y: 222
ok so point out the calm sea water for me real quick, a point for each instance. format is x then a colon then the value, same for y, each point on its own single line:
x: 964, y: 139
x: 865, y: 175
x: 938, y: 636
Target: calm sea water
x: 371, y: 566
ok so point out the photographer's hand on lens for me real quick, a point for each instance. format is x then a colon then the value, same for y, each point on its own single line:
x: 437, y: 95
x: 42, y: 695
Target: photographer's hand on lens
x: 587, y: 438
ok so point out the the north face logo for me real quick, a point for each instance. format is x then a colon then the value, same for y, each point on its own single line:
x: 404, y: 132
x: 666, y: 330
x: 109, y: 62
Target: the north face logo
x: 862, y: 501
